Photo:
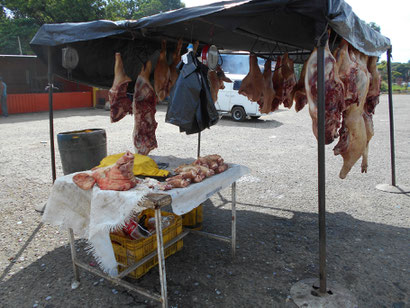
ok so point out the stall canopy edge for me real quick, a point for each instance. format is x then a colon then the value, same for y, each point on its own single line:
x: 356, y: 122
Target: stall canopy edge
x: 260, y: 26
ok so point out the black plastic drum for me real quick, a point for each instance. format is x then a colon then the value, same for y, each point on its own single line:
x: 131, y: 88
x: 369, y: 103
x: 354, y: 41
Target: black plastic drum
x: 82, y: 150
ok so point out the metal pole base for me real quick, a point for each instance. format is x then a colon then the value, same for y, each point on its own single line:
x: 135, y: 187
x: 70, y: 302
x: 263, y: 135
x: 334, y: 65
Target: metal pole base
x: 305, y: 293
x: 398, y: 189
x: 75, y: 284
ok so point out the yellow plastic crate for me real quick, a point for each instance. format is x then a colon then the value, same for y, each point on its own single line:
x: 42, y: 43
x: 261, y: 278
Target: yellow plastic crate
x: 128, y: 251
x: 193, y: 219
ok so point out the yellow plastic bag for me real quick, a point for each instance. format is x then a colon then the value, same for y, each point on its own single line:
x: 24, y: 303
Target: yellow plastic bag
x: 143, y: 165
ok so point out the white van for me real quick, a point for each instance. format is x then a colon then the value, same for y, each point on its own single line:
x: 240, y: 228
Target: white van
x: 230, y: 102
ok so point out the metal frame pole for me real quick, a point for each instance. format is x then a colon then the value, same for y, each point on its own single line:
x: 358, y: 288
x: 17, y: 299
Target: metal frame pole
x: 73, y: 255
x: 50, y: 109
x: 392, y: 149
x: 233, y: 219
x: 321, y: 165
x: 199, y: 145
x: 161, y: 258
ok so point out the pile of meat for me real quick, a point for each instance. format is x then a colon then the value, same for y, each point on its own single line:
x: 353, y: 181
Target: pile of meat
x: 115, y: 177
x: 352, y: 85
x: 196, y: 172
x: 146, y: 96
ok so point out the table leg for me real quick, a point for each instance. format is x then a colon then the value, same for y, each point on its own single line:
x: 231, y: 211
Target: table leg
x: 161, y: 259
x: 233, y: 219
x: 76, y: 281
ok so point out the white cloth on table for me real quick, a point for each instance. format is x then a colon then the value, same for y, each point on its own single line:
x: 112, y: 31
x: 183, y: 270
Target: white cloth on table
x: 92, y: 214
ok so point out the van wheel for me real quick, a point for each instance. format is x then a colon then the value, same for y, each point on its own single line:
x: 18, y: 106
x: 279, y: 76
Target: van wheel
x: 238, y: 114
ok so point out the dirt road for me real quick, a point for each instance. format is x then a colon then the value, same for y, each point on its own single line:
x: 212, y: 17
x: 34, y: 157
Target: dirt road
x: 367, y: 229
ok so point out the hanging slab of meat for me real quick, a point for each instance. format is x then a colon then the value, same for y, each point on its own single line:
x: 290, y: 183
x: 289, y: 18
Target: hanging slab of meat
x: 120, y: 104
x: 216, y: 81
x: 357, y: 130
x: 347, y: 73
x: 162, y: 74
x: 334, y: 90
x: 277, y: 84
x: 289, y: 80
x: 144, y: 108
x: 116, y: 177
x: 299, y: 91
x: 176, y: 58
x: 268, y: 93
x: 372, y: 98
x: 252, y: 84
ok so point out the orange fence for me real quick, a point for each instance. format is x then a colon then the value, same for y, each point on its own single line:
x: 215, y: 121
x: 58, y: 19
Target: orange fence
x: 34, y: 102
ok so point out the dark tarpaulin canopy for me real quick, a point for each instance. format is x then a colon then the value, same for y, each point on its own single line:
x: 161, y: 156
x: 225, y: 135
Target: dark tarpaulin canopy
x: 261, y: 26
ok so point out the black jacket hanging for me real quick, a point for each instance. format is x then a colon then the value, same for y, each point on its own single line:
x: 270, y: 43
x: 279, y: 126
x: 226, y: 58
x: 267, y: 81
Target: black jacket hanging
x: 191, y: 106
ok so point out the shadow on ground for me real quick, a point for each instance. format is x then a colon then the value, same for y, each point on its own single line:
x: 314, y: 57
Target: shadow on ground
x: 274, y: 252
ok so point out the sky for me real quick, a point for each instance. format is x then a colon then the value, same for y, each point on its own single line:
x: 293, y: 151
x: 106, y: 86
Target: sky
x: 393, y: 17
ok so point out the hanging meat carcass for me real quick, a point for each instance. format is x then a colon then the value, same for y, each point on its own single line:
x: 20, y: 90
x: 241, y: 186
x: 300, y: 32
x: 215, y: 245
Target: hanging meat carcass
x: 277, y: 84
x: 176, y: 58
x: 268, y: 93
x: 357, y: 128
x: 348, y: 70
x: 334, y: 94
x: 284, y: 81
x: 372, y: 98
x: 162, y: 74
x: 120, y: 104
x: 216, y: 81
x: 115, y: 177
x: 289, y: 80
x: 252, y: 84
x: 144, y: 108
x: 299, y: 91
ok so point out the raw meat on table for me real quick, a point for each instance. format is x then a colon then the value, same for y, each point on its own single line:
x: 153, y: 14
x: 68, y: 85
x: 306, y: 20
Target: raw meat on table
x: 115, y: 177
x: 120, y: 104
x: 144, y: 108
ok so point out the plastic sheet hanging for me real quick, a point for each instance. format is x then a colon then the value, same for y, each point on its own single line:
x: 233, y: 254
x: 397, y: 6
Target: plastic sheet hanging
x: 191, y: 106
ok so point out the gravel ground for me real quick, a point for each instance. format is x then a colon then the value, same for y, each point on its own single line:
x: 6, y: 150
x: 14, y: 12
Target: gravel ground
x: 367, y: 229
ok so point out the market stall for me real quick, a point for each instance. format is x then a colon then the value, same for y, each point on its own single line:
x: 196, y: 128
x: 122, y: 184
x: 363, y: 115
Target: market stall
x: 267, y: 28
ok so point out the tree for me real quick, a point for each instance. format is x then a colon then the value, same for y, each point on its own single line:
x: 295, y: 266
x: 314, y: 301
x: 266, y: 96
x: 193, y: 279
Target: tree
x: 13, y: 30
x: 24, y: 17
x: 55, y: 11
x: 136, y: 9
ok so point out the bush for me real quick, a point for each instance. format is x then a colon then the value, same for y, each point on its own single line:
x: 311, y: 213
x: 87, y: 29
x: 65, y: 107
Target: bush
x: 384, y: 86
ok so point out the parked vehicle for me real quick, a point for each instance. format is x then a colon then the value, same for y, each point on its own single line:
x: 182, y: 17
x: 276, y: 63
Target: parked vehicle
x: 230, y: 102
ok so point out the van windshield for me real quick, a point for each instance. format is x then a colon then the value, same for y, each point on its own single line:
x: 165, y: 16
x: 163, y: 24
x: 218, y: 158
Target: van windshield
x: 239, y: 64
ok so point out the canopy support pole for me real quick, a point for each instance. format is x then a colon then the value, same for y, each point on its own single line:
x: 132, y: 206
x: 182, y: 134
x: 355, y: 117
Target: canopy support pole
x: 393, y: 188
x: 311, y: 292
x: 199, y: 145
x: 50, y: 109
x: 392, y: 149
x: 321, y: 166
